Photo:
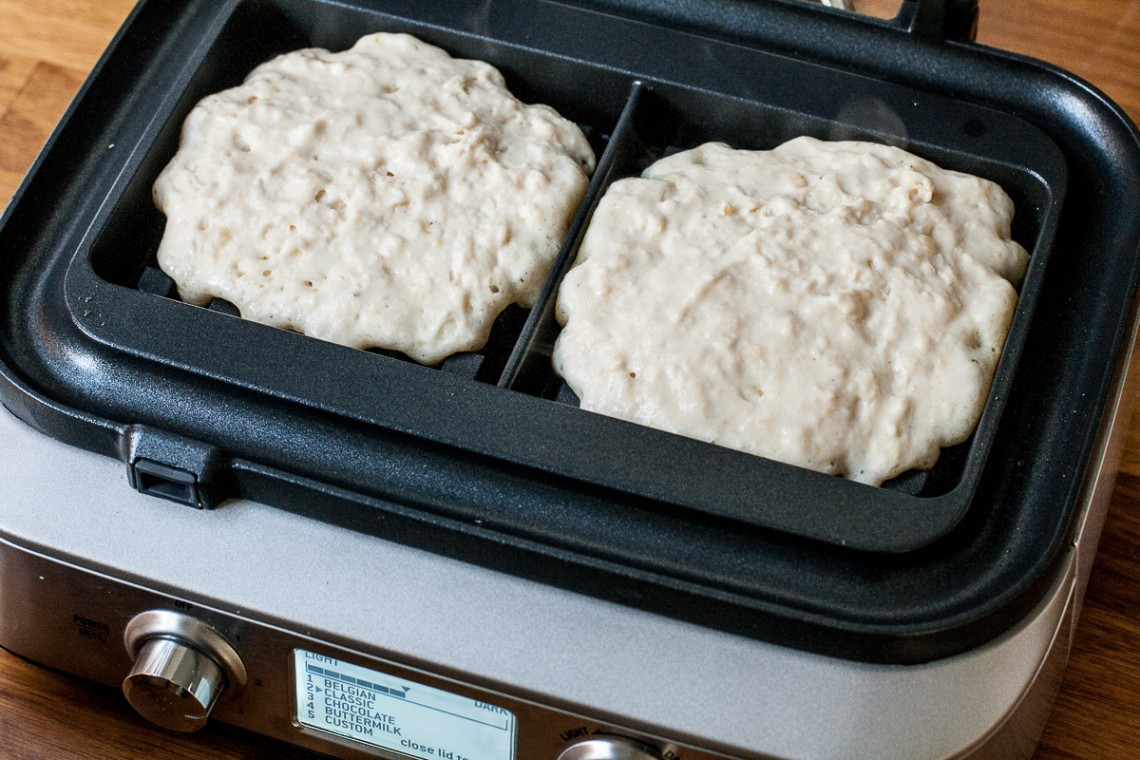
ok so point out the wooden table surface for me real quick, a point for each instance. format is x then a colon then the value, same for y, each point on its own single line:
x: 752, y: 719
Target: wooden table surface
x: 48, y: 46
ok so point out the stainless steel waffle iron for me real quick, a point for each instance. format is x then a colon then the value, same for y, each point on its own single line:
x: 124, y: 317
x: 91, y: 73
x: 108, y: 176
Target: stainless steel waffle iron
x: 365, y: 557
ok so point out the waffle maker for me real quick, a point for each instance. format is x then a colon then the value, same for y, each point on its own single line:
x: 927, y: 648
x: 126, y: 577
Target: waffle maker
x: 368, y: 558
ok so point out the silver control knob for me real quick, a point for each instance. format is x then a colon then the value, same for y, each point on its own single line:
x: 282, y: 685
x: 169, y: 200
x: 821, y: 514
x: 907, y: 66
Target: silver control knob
x: 173, y: 685
x: 181, y: 668
x: 608, y: 748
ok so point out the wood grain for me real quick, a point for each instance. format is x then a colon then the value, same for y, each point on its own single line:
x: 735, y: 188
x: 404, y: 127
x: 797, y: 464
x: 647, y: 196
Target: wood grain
x: 47, y: 48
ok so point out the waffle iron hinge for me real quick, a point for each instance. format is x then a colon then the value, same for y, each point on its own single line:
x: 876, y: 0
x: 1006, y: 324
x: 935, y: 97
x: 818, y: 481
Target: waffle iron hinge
x: 940, y: 20
x: 175, y: 468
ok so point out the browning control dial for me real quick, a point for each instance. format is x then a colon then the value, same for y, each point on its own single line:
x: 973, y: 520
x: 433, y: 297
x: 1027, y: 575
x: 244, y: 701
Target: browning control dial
x: 181, y: 667
x: 608, y: 748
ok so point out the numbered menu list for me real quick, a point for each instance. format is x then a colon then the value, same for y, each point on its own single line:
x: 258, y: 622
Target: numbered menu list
x: 397, y: 714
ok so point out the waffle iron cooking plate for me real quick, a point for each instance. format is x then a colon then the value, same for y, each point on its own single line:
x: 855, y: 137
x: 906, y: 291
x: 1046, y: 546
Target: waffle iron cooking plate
x: 486, y: 457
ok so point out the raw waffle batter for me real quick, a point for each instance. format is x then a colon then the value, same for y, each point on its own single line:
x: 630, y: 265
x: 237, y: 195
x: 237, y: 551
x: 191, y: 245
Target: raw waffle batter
x: 385, y: 196
x: 838, y: 306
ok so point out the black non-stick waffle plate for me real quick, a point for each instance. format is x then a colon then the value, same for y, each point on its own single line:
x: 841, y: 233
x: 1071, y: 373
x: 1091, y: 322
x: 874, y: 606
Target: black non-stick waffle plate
x: 487, y: 456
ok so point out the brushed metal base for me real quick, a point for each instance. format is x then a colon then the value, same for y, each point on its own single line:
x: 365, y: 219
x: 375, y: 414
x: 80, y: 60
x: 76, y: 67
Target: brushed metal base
x: 81, y: 556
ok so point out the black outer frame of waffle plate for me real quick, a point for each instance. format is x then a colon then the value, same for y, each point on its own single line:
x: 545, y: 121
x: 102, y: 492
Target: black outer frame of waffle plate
x: 483, y: 458
x: 659, y: 117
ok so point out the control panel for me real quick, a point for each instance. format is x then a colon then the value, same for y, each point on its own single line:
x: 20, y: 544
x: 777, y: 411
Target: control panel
x: 182, y: 664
